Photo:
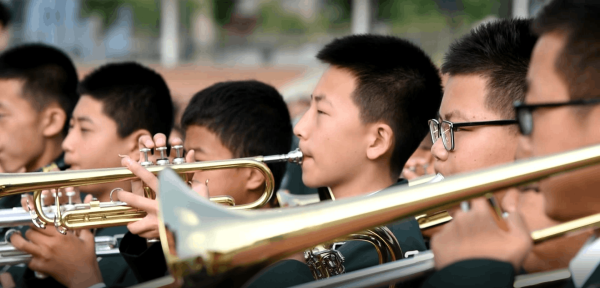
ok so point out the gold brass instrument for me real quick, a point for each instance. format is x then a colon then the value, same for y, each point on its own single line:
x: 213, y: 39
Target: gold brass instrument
x: 324, y: 261
x: 241, y: 242
x: 105, y: 214
x: 424, y: 263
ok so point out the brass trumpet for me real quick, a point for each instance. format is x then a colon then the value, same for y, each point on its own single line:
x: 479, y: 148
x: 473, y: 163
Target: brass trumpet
x: 105, y: 214
x: 217, y: 249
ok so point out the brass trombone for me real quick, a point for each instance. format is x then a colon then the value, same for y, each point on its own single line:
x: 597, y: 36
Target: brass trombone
x: 241, y: 242
x: 105, y: 214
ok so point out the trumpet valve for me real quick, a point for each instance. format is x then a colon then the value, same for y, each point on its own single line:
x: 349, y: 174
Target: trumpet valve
x: 146, y: 162
x: 163, y: 158
x: 70, y: 195
x: 178, y: 154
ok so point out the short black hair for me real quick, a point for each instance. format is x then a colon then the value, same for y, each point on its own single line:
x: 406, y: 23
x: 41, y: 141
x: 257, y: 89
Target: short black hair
x: 396, y: 83
x: 47, y: 73
x: 249, y: 117
x: 499, y: 51
x: 579, y: 61
x: 134, y: 96
x: 4, y: 15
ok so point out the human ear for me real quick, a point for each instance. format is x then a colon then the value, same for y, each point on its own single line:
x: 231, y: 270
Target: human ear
x: 131, y: 145
x: 255, y: 181
x: 381, y: 141
x: 53, y: 120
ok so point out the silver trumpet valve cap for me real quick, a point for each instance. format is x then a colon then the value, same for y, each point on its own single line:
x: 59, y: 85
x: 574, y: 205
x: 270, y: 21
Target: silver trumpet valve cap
x: 178, y: 154
x: 146, y: 162
x: 163, y: 158
x: 70, y: 194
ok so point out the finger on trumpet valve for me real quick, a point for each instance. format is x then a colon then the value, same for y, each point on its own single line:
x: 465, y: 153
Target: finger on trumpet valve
x: 163, y: 160
x: 178, y: 154
x: 146, y: 162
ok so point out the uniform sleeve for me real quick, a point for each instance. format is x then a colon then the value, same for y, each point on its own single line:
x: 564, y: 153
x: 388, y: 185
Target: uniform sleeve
x: 147, y: 263
x: 473, y: 273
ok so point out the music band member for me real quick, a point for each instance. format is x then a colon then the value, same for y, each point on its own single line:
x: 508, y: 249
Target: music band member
x: 563, y: 71
x: 119, y: 103
x: 227, y: 120
x: 367, y: 116
x: 39, y: 91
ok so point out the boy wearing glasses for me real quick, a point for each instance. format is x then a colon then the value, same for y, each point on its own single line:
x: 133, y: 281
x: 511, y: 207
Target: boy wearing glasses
x: 478, y: 128
x: 486, y: 69
x: 475, y: 128
x: 559, y: 114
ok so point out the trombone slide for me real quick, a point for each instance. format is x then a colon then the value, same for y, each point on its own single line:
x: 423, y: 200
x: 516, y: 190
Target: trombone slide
x: 204, y: 237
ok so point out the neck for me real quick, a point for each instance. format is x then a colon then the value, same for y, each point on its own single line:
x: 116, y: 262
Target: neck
x: 52, y: 149
x: 367, y: 181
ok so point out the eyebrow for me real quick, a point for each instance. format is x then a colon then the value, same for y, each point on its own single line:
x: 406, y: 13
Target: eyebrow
x: 84, y: 119
x: 454, y: 114
x: 321, y: 98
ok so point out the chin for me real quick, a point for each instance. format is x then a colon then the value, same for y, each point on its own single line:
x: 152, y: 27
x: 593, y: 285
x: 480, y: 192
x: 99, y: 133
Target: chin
x: 310, y: 182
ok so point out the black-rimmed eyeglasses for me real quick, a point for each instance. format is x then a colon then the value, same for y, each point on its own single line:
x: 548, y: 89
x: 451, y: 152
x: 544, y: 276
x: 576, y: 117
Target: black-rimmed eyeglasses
x: 524, y: 111
x: 446, y: 129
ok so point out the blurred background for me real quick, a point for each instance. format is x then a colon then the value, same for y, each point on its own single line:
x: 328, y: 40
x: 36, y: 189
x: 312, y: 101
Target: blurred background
x: 195, y: 43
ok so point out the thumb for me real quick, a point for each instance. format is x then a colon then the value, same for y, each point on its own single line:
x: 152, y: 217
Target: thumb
x: 87, y: 237
x: 88, y: 198
x: 200, y: 187
x: 190, y: 157
x: 516, y: 224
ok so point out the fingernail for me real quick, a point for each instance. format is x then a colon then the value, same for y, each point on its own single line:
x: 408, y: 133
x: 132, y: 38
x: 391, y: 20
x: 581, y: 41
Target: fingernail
x: 122, y: 156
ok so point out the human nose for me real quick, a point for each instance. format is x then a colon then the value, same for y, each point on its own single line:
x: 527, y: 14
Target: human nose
x: 439, y: 151
x: 67, y: 144
x: 301, y: 128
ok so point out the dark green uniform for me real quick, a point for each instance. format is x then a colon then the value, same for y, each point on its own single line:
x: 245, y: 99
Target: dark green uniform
x: 492, y: 273
x: 357, y: 254
x: 147, y: 263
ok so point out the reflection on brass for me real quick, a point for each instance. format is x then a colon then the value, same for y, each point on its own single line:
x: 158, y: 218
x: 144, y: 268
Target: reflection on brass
x: 429, y: 221
x: 237, y: 241
x: 105, y: 214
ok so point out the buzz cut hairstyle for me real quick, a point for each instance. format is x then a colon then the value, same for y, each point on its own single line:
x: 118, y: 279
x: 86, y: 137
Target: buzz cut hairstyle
x: 5, y: 17
x: 48, y: 75
x: 579, y: 61
x: 499, y: 51
x: 397, y: 83
x: 134, y: 96
x: 250, y: 118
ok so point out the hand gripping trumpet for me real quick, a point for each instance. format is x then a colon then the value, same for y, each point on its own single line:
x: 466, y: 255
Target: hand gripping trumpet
x: 206, y: 244
x: 9, y: 255
x: 105, y: 214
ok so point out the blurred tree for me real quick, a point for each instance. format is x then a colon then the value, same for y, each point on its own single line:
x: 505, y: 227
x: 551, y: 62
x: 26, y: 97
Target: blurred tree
x: 146, y: 13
